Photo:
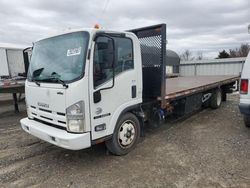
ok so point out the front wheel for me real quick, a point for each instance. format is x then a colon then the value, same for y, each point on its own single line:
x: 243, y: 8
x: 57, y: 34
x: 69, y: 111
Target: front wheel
x: 125, y: 136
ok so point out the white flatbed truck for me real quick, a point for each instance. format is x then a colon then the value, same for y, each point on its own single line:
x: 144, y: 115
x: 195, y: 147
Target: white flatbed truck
x: 90, y: 86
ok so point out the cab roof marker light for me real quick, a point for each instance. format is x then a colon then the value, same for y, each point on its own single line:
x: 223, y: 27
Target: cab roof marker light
x: 97, y: 26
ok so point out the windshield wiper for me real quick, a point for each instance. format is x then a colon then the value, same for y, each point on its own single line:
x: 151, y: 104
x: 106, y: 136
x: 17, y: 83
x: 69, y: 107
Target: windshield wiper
x: 56, y: 77
x: 36, y: 82
x: 60, y: 81
x: 35, y: 74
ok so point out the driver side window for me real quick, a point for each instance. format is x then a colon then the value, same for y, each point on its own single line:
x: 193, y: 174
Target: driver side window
x: 101, y: 69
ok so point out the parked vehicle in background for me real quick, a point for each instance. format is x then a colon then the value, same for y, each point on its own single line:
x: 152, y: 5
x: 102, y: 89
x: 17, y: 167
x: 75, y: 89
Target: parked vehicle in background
x: 14, y: 63
x: 245, y: 92
x: 90, y: 86
x: 14, y: 60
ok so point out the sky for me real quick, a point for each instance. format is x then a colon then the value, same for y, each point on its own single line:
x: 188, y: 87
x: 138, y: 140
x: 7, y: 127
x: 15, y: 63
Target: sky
x: 206, y: 26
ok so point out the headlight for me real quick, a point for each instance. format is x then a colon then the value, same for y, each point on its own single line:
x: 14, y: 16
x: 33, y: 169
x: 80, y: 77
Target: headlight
x: 75, y: 117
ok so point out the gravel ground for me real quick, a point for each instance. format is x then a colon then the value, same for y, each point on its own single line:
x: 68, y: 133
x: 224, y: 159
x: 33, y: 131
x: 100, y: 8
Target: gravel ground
x: 209, y: 149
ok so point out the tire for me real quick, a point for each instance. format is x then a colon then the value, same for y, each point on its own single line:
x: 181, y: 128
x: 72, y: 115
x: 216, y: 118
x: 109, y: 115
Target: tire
x: 247, y: 120
x: 126, y: 135
x: 216, y: 99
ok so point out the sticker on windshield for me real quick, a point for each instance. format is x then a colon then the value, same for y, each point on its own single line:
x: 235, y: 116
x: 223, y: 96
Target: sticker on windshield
x: 74, y: 51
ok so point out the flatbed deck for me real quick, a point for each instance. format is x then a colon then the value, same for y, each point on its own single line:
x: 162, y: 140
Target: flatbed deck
x: 13, y: 89
x: 182, y: 86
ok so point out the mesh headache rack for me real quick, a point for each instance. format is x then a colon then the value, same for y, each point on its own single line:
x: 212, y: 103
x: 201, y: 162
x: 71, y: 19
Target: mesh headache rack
x: 153, y: 50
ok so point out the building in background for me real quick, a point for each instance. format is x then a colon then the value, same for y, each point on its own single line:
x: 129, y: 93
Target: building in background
x: 225, y: 66
x: 173, y: 62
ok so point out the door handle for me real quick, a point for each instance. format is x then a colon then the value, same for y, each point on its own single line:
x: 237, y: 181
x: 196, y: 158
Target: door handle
x: 133, y: 90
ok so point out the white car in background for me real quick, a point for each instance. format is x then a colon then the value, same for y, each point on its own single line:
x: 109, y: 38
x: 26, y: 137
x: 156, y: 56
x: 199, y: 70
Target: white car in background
x: 245, y: 92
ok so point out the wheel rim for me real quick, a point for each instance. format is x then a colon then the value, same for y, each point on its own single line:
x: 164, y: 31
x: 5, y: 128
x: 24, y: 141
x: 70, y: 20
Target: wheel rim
x: 218, y: 98
x: 126, y: 135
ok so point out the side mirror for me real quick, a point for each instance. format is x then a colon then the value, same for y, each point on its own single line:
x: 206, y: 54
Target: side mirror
x: 97, y: 96
x: 105, y: 54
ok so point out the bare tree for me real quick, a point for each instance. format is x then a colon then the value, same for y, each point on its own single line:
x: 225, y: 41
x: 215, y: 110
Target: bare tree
x: 199, y: 55
x: 240, y: 52
x: 244, y: 50
x: 186, y: 55
x: 233, y: 53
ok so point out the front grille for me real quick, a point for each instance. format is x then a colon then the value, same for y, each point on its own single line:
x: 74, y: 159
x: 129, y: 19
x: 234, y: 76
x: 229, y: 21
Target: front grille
x: 61, y: 114
x: 46, y: 118
x: 62, y: 122
x: 49, y: 116
x: 50, y: 124
x: 49, y: 111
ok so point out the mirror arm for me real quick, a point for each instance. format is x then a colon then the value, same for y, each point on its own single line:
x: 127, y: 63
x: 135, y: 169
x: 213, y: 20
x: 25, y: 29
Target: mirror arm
x: 99, y: 91
x: 113, y: 83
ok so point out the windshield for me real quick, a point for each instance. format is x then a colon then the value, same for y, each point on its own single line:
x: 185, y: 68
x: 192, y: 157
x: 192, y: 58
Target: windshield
x: 62, y: 57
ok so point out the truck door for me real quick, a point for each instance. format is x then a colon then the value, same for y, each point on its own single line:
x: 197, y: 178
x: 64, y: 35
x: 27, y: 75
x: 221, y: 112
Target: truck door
x: 112, y: 89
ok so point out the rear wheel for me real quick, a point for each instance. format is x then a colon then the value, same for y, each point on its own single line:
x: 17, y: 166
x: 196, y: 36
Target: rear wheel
x: 247, y: 120
x: 126, y: 135
x: 216, y: 99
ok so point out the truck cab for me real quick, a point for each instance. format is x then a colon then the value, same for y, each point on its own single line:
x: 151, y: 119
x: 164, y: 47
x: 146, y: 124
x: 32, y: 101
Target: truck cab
x: 80, y: 84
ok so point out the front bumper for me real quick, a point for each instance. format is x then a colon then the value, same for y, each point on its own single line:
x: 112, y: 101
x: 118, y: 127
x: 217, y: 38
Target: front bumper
x: 56, y: 136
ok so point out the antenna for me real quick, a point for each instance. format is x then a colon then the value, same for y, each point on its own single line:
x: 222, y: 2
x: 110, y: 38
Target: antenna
x: 104, y: 10
x: 105, y: 7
